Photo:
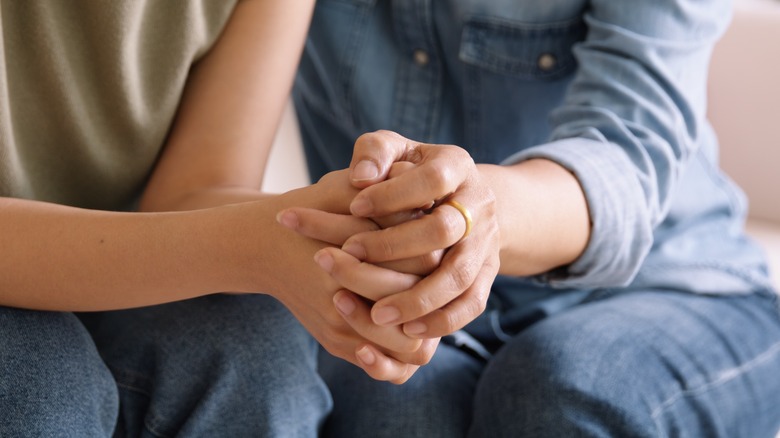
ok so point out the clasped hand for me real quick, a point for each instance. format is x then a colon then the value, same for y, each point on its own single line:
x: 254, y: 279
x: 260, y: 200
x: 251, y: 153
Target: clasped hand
x: 406, y: 273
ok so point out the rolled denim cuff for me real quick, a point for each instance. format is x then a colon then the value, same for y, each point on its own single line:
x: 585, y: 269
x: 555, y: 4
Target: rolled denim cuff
x: 621, y: 232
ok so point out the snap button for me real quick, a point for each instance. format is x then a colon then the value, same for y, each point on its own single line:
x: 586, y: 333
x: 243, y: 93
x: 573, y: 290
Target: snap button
x: 421, y: 57
x: 547, y: 61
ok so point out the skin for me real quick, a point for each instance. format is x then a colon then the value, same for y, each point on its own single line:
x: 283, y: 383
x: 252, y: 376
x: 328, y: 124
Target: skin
x: 528, y: 218
x: 204, y: 225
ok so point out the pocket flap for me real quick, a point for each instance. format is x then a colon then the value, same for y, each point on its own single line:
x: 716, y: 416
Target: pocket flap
x: 529, y: 51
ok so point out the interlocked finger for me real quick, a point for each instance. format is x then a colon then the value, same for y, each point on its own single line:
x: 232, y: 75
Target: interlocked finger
x: 323, y: 226
x: 463, y: 212
x: 457, y: 313
x: 365, y: 279
x: 440, y: 229
x: 356, y: 312
x: 459, y: 268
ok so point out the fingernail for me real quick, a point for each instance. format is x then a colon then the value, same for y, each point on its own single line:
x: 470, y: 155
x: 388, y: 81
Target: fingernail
x: 365, y: 170
x: 344, y: 304
x: 355, y: 249
x: 366, y: 356
x: 386, y: 315
x: 361, y: 207
x: 325, y: 260
x: 415, y: 328
x: 288, y: 219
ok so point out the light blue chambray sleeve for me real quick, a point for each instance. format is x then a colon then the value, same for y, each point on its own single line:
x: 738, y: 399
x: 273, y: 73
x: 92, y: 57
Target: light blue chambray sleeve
x: 629, y: 124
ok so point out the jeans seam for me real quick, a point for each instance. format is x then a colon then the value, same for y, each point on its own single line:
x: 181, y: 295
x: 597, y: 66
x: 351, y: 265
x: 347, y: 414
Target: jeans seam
x: 495, y: 325
x: 119, y: 376
x: 723, y: 377
x: 154, y: 431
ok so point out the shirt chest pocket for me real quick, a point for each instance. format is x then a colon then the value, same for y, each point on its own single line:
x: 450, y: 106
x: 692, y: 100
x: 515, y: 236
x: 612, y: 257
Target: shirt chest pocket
x: 531, y: 51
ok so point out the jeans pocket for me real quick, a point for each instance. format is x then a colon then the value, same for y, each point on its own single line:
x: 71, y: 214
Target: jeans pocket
x: 533, y: 51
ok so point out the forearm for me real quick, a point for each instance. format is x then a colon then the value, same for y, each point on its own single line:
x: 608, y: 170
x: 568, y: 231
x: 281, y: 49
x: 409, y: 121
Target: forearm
x: 62, y: 258
x: 208, y: 198
x: 542, y: 214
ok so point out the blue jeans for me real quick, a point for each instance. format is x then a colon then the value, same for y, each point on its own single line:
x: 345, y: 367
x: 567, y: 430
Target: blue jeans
x: 213, y: 366
x: 639, y: 364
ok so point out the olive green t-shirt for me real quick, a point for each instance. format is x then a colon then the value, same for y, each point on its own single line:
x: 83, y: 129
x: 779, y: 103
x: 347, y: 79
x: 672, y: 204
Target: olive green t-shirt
x: 89, y: 89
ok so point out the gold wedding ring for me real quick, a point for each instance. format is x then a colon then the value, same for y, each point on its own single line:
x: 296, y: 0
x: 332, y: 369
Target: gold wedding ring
x: 464, y: 212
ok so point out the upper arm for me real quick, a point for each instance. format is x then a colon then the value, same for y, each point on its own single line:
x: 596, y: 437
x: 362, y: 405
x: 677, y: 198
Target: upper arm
x: 232, y: 103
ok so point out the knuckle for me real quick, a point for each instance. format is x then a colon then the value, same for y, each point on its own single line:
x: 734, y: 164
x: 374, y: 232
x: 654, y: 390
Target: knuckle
x: 453, y: 225
x: 482, y: 299
x: 334, y: 324
x: 420, y: 357
x: 460, y: 276
x: 409, y: 346
x: 327, y: 177
x: 430, y: 261
x: 386, y: 133
x: 493, y: 264
x: 413, y: 154
x: 385, y: 249
x: 393, y: 374
x: 333, y: 334
x: 463, y: 161
x: 421, y: 306
x: 336, y: 270
x: 407, y: 374
x: 451, y: 321
x: 437, y: 177
x: 441, y: 232
x: 426, y: 354
x: 370, y: 140
x: 363, y: 138
x: 476, y: 304
x: 445, y: 229
x: 376, y: 374
x: 460, y: 154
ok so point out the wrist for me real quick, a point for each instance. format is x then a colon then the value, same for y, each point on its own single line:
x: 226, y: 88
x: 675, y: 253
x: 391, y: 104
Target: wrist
x: 257, y: 254
x: 542, y: 214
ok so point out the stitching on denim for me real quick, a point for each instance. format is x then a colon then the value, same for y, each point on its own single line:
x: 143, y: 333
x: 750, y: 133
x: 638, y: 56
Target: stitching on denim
x: 723, y: 377
x: 558, y: 37
x: 153, y: 430
x: 512, y: 26
x: 150, y: 423
x: 496, y: 326
x: 134, y: 388
x: 127, y: 379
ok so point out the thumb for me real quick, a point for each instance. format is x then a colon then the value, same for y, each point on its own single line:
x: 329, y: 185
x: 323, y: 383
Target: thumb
x: 373, y: 156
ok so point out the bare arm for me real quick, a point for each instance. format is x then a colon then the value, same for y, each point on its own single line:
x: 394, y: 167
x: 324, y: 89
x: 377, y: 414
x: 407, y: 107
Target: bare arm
x: 222, y: 135
x: 542, y: 215
x: 211, y: 239
x: 55, y: 257
x: 63, y: 258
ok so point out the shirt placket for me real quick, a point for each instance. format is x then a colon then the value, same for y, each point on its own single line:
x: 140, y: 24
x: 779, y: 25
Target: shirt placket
x: 418, y: 87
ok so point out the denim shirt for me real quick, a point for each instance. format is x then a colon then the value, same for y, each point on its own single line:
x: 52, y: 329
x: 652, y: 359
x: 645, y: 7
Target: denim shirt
x: 615, y: 91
